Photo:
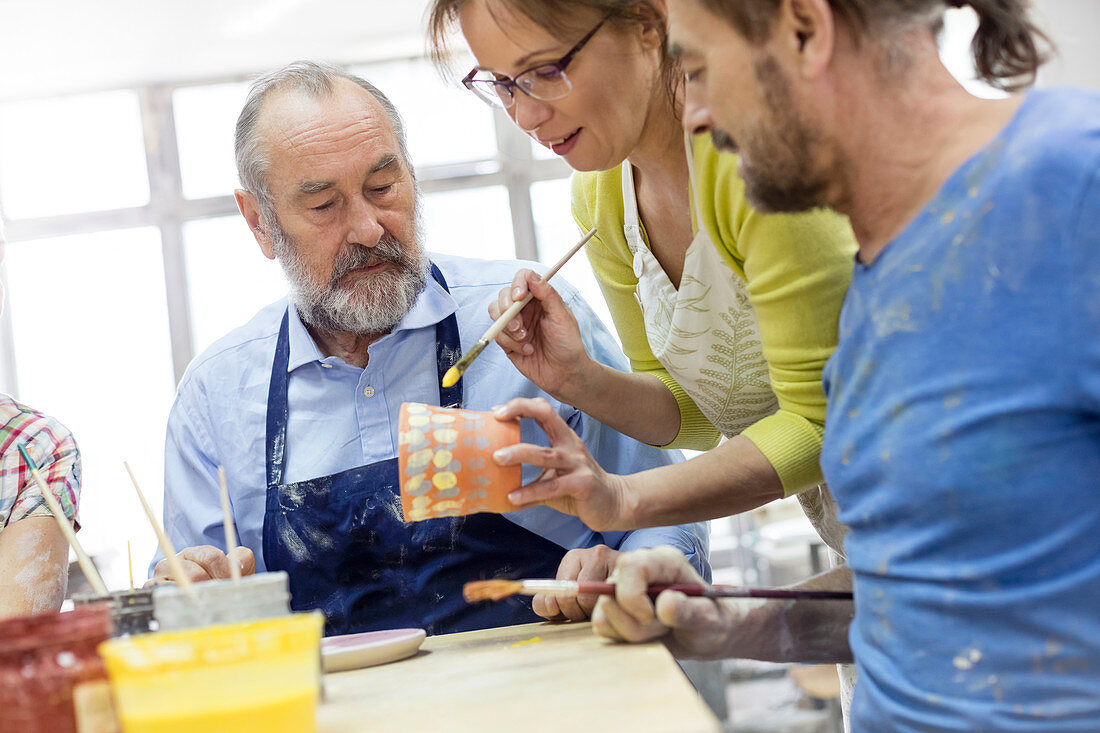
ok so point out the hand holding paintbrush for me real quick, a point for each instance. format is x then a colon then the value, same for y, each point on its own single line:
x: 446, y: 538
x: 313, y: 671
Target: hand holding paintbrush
x: 805, y: 623
x: 498, y: 590
x: 454, y: 373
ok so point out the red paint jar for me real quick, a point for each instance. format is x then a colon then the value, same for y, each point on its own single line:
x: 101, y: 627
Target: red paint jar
x: 50, y: 673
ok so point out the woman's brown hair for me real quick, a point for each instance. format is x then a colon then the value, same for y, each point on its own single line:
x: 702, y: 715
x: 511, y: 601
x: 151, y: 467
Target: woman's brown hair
x: 558, y: 18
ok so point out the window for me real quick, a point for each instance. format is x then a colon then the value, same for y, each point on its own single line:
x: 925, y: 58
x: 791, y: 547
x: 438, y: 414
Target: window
x: 229, y: 279
x: 556, y: 232
x: 90, y: 327
x: 70, y: 155
x: 205, y: 118
x: 472, y: 222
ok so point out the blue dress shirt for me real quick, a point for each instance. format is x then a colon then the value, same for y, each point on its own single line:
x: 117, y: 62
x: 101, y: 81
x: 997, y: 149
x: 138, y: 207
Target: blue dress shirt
x: 342, y: 416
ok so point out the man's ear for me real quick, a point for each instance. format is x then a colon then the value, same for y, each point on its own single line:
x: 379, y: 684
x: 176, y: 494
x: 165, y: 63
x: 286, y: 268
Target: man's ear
x: 250, y: 210
x: 805, y: 34
x: 651, y: 28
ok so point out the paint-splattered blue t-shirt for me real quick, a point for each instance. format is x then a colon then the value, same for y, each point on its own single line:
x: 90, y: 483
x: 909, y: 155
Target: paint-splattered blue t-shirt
x: 963, y: 441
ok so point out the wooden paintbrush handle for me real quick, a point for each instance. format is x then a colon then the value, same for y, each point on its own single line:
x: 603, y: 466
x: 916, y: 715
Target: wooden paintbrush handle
x: 721, y: 591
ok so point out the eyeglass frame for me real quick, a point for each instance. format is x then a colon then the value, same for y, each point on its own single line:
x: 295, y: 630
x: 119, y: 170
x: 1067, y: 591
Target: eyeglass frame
x: 510, y: 83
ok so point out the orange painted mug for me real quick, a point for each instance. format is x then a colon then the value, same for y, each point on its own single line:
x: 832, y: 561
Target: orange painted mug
x: 445, y: 457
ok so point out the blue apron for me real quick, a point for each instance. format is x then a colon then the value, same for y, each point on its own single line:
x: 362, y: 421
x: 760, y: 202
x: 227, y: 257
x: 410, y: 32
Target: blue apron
x: 351, y: 556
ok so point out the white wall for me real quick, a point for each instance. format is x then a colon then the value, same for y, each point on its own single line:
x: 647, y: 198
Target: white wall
x: 1074, y: 26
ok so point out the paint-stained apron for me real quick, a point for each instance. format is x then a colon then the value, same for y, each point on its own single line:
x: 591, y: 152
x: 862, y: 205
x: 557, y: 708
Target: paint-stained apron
x: 706, y: 335
x: 348, y: 553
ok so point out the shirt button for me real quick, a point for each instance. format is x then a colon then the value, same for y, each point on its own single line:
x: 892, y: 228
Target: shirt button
x: 368, y: 392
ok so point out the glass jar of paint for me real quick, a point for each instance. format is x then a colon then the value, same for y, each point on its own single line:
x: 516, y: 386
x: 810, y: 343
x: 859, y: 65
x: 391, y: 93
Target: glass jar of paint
x: 131, y: 610
x: 222, y: 601
x: 50, y: 673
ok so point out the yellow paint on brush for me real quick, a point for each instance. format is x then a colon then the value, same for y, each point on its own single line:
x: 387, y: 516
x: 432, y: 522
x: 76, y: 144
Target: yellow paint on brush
x: 451, y: 378
x: 255, y: 677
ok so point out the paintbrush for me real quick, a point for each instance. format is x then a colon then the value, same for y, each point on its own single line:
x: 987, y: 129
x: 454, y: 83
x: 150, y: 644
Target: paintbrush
x: 227, y: 524
x: 86, y: 564
x: 454, y: 373
x: 496, y: 590
x: 166, y: 547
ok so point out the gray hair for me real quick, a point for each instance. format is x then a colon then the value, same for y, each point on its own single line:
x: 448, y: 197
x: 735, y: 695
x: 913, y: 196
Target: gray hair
x: 317, y: 81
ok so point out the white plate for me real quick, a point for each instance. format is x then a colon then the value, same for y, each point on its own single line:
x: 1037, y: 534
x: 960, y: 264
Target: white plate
x: 352, y: 651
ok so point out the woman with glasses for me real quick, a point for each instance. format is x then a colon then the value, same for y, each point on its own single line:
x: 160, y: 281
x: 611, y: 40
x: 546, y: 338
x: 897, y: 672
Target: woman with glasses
x: 727, y: 315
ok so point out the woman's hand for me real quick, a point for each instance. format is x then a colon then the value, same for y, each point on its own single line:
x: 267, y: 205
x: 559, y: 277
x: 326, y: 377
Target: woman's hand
x: 543, y: 341
x: 571, y: 482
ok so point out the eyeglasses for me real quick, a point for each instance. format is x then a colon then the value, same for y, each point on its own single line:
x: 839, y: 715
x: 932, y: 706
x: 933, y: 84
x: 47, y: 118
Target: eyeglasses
x: 545, y: 81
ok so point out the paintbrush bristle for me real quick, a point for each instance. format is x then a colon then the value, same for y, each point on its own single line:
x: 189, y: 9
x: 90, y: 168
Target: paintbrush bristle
x: 451, y: 377
x: 454, y: 373
x: 490, y: 590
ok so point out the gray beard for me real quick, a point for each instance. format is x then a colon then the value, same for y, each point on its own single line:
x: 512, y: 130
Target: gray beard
x: 370, y: 306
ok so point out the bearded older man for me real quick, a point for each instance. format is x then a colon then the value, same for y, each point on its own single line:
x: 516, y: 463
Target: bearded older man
x: 962, y: 439
x: 300, y: 405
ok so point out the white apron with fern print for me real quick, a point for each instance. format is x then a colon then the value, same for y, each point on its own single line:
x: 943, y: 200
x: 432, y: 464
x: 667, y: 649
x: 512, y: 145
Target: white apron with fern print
x: 705, y: 333
x: 707, y: 336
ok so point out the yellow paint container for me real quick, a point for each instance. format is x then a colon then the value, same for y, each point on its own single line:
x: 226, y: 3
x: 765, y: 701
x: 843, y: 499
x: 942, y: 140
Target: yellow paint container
x: 258, y: 676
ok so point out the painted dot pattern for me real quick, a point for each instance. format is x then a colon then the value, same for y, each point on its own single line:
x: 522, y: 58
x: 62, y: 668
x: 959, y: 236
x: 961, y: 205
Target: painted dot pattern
x: 446, y: 465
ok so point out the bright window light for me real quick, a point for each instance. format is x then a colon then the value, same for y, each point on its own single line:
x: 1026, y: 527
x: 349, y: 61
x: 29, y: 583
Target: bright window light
x: 91, y: 345
x: 228, y: 277
x: 68, y: 155
x: 471, y: 222
x: 205, y: 119
x: 556, y: 232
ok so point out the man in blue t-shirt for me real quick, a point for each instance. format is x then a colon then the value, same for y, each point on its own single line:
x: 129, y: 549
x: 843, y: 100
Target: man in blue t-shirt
x: 962, y: 437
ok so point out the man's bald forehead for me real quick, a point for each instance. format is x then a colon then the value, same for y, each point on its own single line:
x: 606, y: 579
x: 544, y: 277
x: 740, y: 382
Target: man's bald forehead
x: 283, y: 101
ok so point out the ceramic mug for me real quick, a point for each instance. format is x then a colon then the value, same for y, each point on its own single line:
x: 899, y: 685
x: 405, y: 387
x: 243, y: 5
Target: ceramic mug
x: 445, y: 457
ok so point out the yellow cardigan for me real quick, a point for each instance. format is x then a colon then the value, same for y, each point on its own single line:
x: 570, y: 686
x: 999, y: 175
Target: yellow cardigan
x: 797, y: 268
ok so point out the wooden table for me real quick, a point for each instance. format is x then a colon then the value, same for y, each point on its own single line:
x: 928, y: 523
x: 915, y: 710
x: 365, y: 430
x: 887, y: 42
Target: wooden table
x: 535, y: 677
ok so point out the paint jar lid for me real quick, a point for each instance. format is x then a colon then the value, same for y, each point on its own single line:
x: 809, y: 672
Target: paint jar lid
x: 131, y: 601
x: 222, y: 601
x: 132, y: 610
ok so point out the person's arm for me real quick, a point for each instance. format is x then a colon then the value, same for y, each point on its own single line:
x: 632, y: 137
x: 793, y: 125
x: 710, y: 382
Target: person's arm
x: 642, y: 400
x: 544, y: 343
x: 34, y: 567
x: 702, y: 628
x: 597, y: 200
x: 192, y: 506
x: 729, y: 479
x: 797, y: 268
x: 34, y: 554
x: 611, y: 485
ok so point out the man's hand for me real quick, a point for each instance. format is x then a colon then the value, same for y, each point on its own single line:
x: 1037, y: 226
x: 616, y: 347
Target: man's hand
x: 205, y: 562
x: 698, y: 628
x: 593, y: 564
x: 571, y: 482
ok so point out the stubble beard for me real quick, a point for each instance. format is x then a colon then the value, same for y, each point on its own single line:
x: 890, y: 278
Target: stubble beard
x: 368, y: 305
x: 787, y: 182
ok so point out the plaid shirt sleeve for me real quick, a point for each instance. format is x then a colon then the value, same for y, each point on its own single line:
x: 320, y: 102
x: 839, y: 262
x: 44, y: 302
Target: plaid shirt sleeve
x: 52, y: 447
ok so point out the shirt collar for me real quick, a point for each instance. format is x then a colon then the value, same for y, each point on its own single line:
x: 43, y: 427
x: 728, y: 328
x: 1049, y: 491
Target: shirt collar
x: 431, y: 306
